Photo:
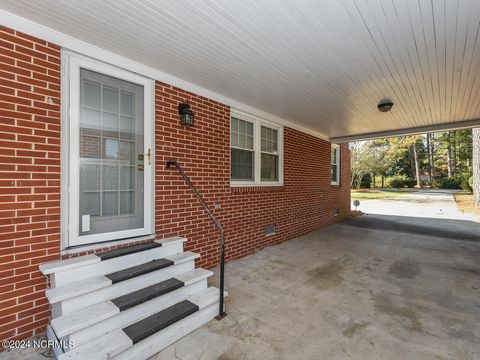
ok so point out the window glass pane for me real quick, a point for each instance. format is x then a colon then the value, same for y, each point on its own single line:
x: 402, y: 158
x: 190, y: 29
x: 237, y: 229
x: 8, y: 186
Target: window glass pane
x: 90, y: 146
x: 241, y: 164
x: 334, y: 155
x: 111, y: 149
x: 334, y: 173
x: 241, y: 134
x: 127, y: 177
x: 110, y: 124
x: 110, y: 99
x: 242, y: 127
x: 110, y: 203
x: 110, y: 177
x: 127, y: 103
x: 127, y: 128
x: 269, y: 167
x: 127, y: 151
x: 91, y: 95
x: 269, y: 140
x: 89, y: 176
x: 126, y: 202
x: 90, y: 203
x: 90, y: 119
x: 249, y: 129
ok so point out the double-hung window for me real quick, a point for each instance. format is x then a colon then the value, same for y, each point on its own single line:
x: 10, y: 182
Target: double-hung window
x: 335, y: 165
x: 255, y: 152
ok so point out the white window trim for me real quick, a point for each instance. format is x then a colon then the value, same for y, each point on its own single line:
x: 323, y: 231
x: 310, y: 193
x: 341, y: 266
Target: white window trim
x: 257, y: 147
x: 337, y: 177
x: 70, y: 74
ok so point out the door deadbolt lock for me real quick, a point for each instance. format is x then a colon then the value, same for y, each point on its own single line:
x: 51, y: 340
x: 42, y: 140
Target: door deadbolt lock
x: 140, y: 167
x: 141, y: 157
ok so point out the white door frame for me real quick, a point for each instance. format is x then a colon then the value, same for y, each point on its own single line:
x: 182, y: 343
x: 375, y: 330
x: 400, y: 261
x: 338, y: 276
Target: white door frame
x: 72, y: 63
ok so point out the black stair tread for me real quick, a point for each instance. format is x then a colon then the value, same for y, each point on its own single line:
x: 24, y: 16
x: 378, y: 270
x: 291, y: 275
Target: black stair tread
x: 127, y: 250
x: 140, y: 296
x: 138, y: 270
x: 159, y: 321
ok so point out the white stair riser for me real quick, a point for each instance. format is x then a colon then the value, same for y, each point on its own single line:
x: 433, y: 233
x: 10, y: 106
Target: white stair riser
x: 119, y: 289
x: 135, y: 314
x: 108, y: 266
x: 51, y: 337
x: 159, y: 341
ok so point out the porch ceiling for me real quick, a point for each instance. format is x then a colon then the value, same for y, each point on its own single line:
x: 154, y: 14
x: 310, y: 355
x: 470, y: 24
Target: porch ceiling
x: 323, y: 65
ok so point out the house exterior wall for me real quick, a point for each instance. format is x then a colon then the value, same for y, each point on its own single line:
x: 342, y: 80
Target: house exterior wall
x: 30, y: 181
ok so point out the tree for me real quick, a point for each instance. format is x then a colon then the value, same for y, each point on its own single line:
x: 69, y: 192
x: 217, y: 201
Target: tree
x: 449, y: 154
x: 430, y: 156
x: 476, y: 166
x: 361, y: 160
x: 417, y: 163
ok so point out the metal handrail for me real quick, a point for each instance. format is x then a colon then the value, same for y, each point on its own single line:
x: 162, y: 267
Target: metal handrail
x: 170, y: 163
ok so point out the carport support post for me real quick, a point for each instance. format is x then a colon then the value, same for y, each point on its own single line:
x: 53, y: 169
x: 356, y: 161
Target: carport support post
x: 476, y: 166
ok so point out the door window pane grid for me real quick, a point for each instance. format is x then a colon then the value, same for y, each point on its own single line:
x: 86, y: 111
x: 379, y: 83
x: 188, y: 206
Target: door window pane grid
x: 107, y: 151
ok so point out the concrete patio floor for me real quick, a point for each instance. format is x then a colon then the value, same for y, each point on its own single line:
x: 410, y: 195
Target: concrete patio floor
x: 372, y: 287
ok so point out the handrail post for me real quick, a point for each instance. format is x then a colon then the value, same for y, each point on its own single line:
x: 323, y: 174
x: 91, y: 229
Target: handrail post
x: 221, y: 311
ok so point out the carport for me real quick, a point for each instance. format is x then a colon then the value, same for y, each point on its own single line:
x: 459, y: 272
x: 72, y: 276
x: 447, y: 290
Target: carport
x: 372, y: 287
x: 320, y: 73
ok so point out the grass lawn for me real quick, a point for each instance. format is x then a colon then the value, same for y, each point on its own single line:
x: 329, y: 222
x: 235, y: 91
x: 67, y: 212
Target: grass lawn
x: 366, y: 194
x: 464, y: 203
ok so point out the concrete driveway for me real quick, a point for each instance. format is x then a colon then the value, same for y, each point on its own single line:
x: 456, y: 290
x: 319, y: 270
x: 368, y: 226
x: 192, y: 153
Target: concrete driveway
x: 372, y: 287
x: 429, y: 203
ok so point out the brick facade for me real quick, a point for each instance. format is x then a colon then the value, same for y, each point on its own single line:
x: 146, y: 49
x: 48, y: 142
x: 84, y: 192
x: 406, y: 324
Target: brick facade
x: 30, y: 181
x: 306, y: 201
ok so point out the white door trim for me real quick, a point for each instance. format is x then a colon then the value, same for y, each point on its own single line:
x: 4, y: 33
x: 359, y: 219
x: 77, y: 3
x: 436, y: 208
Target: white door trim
x: 70, y: 149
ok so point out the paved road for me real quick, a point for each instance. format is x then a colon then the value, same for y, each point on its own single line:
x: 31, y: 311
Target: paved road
x: 421, y: 203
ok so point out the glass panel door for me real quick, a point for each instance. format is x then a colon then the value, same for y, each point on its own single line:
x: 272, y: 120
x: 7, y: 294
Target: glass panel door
x: 111, y: 160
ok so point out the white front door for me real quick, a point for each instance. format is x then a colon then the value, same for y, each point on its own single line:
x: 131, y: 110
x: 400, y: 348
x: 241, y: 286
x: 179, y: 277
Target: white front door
x: 110, y: 153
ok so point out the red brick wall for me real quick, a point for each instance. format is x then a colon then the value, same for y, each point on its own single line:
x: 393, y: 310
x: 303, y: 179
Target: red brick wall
x: 306, y: 201
x: 30, y: 181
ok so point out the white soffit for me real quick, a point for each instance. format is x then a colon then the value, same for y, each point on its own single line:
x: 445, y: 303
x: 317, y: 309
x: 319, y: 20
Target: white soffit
x: 323, y: 65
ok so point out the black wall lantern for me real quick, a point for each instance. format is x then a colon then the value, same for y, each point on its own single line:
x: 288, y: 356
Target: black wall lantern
x: 186, y: 114
x: 385, y: 105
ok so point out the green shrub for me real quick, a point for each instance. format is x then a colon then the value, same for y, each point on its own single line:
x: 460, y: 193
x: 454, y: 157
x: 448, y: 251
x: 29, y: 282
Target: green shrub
x: 402, y: 182
x: 455, y: 182
x: 466, y: 181
x: 366, y: 182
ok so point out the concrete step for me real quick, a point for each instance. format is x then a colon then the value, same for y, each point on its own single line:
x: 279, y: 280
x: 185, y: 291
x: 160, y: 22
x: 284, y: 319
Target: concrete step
x: 63, y: 272
x: 150, y: 335
x: 97, y: 319
x: 80, y: 294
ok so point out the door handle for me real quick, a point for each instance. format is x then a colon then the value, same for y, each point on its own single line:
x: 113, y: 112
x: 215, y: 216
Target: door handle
x: 149, y: 157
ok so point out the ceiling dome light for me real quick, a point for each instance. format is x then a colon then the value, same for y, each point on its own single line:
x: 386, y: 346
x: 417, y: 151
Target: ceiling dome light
x: 385, y: 105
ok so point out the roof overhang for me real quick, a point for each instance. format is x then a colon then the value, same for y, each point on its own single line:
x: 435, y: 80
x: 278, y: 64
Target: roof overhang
x: 320, y: 67
x: 410, y: 131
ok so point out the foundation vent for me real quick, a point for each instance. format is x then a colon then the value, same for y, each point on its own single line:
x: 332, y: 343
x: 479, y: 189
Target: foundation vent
x: 270, y: 229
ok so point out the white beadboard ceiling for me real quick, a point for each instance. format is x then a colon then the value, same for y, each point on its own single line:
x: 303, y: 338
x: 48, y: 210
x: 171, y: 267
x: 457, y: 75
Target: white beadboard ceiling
x: 323, y: 65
